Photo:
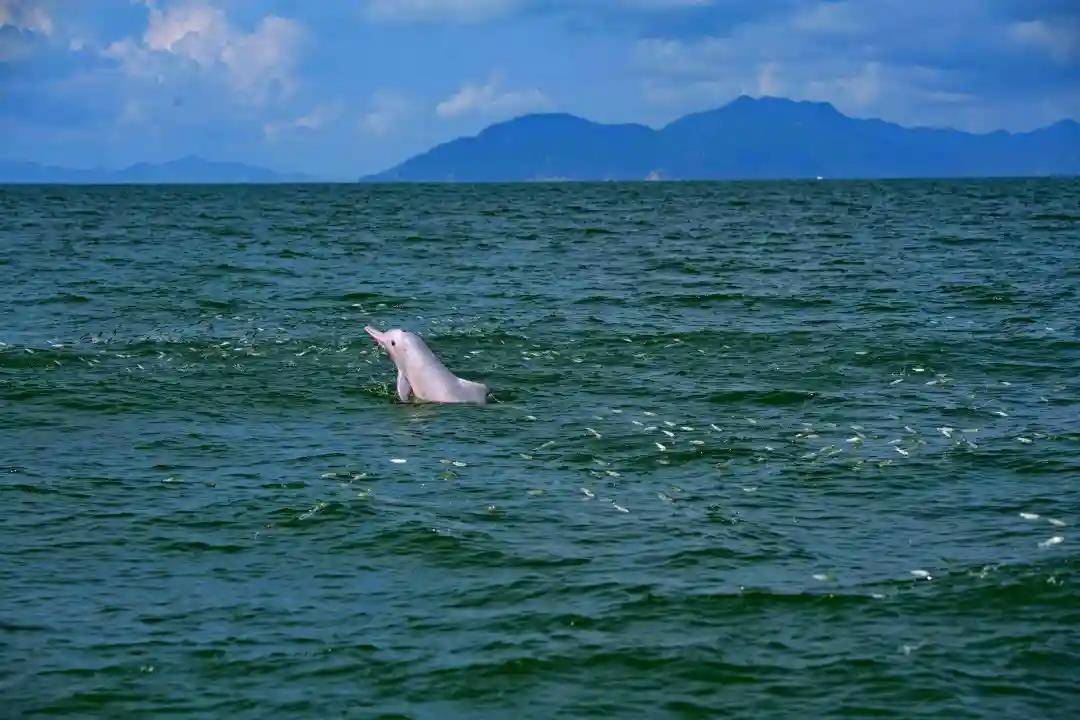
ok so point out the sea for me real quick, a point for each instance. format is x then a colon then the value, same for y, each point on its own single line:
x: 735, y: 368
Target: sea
x: 752, y: 450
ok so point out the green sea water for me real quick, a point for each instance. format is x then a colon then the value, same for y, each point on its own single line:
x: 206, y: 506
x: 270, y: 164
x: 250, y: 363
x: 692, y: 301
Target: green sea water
x: 755, y: 450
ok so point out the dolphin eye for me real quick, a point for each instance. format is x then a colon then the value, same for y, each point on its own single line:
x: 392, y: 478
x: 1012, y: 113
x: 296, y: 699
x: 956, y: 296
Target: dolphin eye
x: 393, y: 343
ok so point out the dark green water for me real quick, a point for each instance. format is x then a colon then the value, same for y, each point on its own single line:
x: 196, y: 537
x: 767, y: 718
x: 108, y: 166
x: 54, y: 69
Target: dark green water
x: 762, y: 450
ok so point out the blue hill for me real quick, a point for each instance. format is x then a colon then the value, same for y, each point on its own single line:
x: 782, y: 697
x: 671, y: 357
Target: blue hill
x: 748, y: 138
x: 185, y: 170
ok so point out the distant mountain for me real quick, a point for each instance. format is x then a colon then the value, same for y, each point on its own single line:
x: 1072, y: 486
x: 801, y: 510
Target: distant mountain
x: 748, y: 138
x: 185, y: 170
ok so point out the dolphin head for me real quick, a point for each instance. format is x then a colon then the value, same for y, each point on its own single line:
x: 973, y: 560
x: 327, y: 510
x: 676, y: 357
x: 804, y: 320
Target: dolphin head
x: 397, y: 343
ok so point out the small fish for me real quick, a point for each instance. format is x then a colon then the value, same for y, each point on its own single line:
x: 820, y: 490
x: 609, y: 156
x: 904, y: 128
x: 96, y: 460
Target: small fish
x: 922, y: 575
x: 620, y: 508
x: 588, y: 493
x: 661, y: 447
x: 715, y: 428
x: 398, y: 461
x: 1055, y: 522
x: 1002, y: 413
x: 946, y: 431
x: 1029, y: 516
x: 902, y: 451
x: 1057, y: 539
x: 594, y: 433
x: 1026, y: 441
x: 686, y: 428
x: 668, y: 433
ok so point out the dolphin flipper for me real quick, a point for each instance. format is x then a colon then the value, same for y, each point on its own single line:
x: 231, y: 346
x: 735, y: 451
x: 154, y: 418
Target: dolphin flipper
x: 404, y: 389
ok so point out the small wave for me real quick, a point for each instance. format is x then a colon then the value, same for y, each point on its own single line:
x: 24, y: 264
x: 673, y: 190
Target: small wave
x: 777, y: 398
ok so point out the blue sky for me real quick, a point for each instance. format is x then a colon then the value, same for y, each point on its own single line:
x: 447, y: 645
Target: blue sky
x: 342, y: 88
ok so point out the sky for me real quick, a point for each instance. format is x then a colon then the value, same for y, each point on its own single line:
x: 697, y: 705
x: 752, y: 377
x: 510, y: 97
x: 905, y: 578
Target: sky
x: 341, y: 88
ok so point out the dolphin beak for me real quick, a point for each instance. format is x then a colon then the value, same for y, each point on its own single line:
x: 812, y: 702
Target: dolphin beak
x: 375, y: 335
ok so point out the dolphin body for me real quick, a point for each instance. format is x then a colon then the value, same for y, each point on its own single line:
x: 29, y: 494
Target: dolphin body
x: 421, y: 376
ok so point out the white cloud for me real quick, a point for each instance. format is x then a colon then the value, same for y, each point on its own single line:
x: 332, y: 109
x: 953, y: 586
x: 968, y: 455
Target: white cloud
x: 477, y: 11
x: 320, y: 116
x: 491, y: 100
x: 25, y: 15
x: 1061, y: 40
x: 387, y: 110
x: 664, y: 4
x: 259, y: 66
x: 832, y: 52
x: 434, y: 11
x: 832, y: 17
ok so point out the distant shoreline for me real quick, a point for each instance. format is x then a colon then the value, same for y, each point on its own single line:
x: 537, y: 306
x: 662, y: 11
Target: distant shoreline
x: 451, y: 183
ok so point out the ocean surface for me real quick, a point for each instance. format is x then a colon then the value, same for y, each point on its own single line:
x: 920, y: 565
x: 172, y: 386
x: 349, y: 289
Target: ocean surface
x: 754, y: 450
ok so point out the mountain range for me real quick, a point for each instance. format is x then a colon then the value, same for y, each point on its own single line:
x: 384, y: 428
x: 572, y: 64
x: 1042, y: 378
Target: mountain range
x: 189, y: 169
x: 746, y: 139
